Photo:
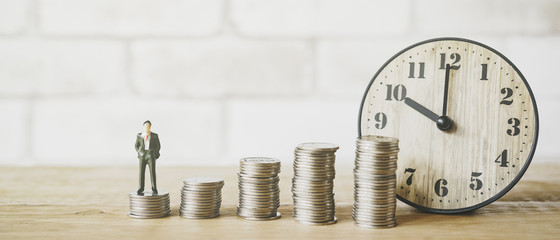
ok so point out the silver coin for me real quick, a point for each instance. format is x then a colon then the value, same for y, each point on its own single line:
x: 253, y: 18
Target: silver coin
x: 148, y: 194
x: 259, y: 160
x: 198, y: 211
x: 147, y: 217
x: 273, y: 216
x: 259, y: 194
x: 265, y: 190
x: 375, y: 181
x: 314, y: 216
x: 315, y: 158
x: 258, y: 204
x: 328, y: 222
x: 149, y: 213
x: 149, y: 205
x: 375, y: 223
x: 141, y: 209
x: 192, y: 216
x: 269, y: 208
x: 201, y: 197
x: 255, y: 192
x: 377, y: 139
x: 312, y: 184
x: 317, y: 146
x: 143, y: 205
x: 149, y: 200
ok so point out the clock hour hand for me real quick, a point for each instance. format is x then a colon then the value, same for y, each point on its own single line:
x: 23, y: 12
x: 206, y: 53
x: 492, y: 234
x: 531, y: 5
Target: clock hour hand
x: 421, y: 109
x: 444, y: 123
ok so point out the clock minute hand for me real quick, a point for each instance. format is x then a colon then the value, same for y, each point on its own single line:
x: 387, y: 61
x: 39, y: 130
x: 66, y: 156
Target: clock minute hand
x: 444, y: 123
x: 446, y: 90
x: 421, y: 109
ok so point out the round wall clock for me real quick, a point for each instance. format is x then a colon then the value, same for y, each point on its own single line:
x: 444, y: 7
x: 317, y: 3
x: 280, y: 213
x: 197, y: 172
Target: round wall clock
x: 465, y: 117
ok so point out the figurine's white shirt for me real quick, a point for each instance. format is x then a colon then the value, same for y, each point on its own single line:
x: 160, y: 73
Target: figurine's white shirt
x: 146, y: 140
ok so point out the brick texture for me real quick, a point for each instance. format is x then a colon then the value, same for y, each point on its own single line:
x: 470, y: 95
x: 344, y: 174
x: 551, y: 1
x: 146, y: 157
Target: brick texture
x: 547, y: 147
x: 14, y: 138
x: 225, y: 79
x: 221, y: 67
x: 13, y: 16
x: 344, y: 68
x: 131, y: 17
x: 103, y: 131
x: 536, y: 59
x: 60, y: 67
x: 488, y: 17
x: 320, y: 17
x: 275, y: 127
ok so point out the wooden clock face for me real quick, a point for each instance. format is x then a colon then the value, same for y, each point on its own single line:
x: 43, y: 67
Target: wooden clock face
x: 493, y: 116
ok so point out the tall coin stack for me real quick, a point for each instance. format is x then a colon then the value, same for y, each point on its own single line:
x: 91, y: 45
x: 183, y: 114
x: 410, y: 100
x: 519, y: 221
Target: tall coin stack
x: 312, y: 185
x: 375, y: 181
x: 259, y: 195
x: 149, y: 205
x: 201, y: 197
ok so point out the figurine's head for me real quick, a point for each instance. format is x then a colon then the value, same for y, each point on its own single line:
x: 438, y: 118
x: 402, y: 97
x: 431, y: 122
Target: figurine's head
x: 147, y: 126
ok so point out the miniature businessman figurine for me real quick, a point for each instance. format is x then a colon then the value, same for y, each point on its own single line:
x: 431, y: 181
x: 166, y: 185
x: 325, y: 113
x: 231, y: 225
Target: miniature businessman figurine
x: 147, y: 146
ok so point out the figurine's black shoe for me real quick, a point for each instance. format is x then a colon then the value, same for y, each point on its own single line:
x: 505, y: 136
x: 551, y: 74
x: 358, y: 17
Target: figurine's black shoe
x: 154, y: 190
x: 140, y: 191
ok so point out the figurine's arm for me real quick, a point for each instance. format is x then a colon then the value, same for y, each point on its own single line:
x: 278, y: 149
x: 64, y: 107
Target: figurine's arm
x: 157, y: 146
x: 137, y: 144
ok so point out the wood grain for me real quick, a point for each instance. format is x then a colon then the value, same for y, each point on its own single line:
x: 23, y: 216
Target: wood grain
x: 91, y: 203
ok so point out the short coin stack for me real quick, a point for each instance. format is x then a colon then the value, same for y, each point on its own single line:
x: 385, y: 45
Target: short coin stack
x: 149, y: 205
x: 375, y: 182
x: 312, y: 185
x: 259, y: 195
x: 201, y: 197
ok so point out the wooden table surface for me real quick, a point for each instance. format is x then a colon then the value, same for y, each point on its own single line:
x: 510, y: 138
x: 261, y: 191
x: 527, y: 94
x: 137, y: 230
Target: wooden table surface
x: 92, y: 203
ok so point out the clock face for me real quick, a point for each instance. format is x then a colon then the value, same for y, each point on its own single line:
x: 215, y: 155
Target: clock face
x: 487, y: 130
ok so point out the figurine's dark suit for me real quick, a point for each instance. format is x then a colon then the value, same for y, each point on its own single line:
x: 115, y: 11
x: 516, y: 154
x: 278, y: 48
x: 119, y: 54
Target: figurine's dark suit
x: 147, y: 157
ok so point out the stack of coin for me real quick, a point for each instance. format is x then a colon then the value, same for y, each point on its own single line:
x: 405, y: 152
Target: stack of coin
x: 312, y: 185
x: 201, y: 197
x: 149, y: 205
x: 375, y: 181
x: 259, y: 195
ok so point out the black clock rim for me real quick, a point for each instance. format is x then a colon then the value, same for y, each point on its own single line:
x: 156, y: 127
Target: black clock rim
x: 529, y: 158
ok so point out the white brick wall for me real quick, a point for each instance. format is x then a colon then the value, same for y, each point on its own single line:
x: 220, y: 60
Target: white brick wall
x: 13, y: 16
x: 130, y: 17
x: 344, y: 67
x: 305, y: 18
x: 487, y: 17
x: 276, y: 127
x: 60, y: 67
x: 535, y: 57
x: 13, y: 119
x: 103, y: 131
x: 224, y: 79
x: 221, y: 67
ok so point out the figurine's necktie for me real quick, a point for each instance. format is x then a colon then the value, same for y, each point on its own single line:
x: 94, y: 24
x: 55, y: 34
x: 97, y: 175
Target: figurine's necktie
x: 147, y: 137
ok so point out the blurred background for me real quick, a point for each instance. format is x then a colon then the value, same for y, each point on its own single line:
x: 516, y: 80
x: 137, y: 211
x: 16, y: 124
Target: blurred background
x: 225, y: 79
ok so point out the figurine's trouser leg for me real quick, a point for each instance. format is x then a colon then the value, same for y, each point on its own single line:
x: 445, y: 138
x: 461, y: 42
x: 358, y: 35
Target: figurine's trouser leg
x: 142, y: 172
x: 152, y: 165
